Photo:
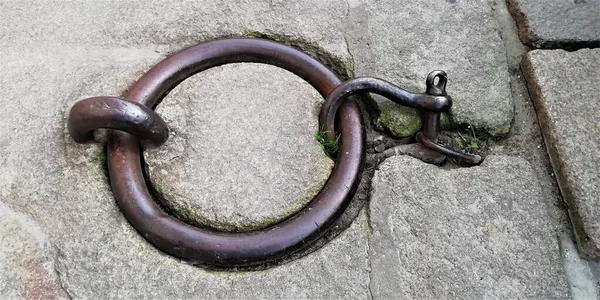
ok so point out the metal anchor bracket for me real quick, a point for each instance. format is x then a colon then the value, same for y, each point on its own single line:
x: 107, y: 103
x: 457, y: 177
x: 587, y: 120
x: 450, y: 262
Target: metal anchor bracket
x: 132, y: 121
x: 431, y: 103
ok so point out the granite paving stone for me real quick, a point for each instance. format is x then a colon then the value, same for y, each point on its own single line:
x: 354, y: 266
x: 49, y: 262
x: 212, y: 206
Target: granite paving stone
x: 402, y: 41
x: 468, y: 233
x: 242, y: 152
x: 27, y: 269
x: 564, y: 89
x: 557, y: 23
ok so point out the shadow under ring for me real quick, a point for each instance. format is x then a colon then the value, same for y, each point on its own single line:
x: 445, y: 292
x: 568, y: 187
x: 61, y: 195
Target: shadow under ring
x: 235, y: 249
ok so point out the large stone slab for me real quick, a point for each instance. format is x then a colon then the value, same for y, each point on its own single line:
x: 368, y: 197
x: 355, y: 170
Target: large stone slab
x: 402, y: 41
x: 469, y: 233
x: 62, y: 187
x: 54, y: 53
x: 125, y: 266
x: 313, y: 25
x: 242, y: 153
x: 27, y: 269
x: 564, y: 89
x: 557, y: 23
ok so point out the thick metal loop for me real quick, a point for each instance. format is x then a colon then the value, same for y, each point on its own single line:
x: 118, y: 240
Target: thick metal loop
x: 459, y: 156
x: 381, y: 87
x: 115, y: 113
x: 226, y: 249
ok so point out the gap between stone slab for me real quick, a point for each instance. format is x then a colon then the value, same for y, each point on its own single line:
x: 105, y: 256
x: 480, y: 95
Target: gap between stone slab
x: 524, y: 108
x: 580, y: 287
x: 581, y: 274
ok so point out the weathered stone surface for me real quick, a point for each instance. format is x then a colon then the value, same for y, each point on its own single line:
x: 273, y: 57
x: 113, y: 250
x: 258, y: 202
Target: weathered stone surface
x: 469, y: 233
x: 242, y: 153
x: 62, y: 186
x: 132, y: 269
x: 55, y: 52
x: 313, y: 25
x: 26, y: 262
x: 473, y: 55
x: 557, y: 23
x: 564, y: 89
x: 402, y: 41
x: 400, y: 120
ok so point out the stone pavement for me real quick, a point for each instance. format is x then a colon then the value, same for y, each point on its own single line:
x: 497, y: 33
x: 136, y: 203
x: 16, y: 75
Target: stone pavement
x: 242, y: 152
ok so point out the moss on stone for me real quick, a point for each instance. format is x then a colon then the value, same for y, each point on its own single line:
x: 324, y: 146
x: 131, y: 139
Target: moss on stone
x: 500, y: 132
x: 483, y: 131
x: 400, y: 120
x: 329, y: 147
x: 99, y: 160
x: 447, y: 122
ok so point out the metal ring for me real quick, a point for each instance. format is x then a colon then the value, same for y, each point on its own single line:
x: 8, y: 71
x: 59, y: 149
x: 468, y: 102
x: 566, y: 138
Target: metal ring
x: 115, y: 113
x: 227, y: 249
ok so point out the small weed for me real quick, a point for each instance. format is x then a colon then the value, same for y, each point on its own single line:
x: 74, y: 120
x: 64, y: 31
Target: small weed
x: 467, y: 143
x: 330, y: 147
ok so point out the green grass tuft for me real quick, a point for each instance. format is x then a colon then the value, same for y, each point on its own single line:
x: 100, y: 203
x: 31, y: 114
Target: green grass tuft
x: 330, y: 147
x: 467, y: 143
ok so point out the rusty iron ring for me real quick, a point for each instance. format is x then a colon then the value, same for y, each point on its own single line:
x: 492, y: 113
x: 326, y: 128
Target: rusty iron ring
x: 229, y: 249
x: 115, y: 113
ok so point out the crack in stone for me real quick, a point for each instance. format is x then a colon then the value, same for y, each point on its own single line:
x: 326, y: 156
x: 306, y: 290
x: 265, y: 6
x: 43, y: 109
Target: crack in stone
x: 347, y: 11
x: 352, y: 65
x: 352, y: 61
x: 369, y: 224
x: 369, y: 261
x: 59, y: 274
x: 62, y: 285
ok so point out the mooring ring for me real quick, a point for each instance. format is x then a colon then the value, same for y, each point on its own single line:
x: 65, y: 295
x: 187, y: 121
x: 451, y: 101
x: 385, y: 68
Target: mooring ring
x: 229, y: 249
